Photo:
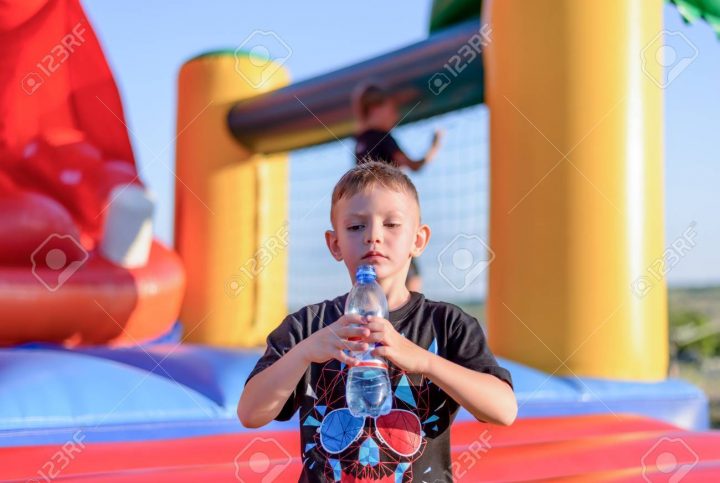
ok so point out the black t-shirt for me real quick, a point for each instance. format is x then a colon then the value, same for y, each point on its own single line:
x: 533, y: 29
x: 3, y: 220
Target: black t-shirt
x: 377, y: 145
x: 414, y: 438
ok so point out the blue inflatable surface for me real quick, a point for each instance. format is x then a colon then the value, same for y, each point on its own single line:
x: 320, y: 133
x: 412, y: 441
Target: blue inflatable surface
x: 167, y: 390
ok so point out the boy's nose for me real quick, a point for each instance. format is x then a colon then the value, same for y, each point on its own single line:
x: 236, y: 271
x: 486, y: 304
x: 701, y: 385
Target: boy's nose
x: 372, y: 239
x: 374, y: 235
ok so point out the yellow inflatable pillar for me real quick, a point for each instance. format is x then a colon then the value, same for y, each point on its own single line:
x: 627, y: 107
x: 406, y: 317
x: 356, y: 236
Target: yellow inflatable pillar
x: 576, y: 218
x: 230, y: 208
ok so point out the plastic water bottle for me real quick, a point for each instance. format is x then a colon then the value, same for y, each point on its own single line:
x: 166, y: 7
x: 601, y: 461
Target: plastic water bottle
x: 367, y: 390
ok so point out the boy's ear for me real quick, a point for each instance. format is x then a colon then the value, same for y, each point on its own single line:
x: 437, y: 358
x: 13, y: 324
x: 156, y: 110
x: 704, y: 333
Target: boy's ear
x: 333, y: 245
x: 422, y: 238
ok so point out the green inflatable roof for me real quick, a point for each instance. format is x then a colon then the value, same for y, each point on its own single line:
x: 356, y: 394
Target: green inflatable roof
x: 446, y: 13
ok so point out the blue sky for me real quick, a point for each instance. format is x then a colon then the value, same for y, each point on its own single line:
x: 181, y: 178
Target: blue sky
x: 147, y: 41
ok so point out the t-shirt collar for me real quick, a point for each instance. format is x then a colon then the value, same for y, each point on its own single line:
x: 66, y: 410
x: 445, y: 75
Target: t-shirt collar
x: 401, y: 313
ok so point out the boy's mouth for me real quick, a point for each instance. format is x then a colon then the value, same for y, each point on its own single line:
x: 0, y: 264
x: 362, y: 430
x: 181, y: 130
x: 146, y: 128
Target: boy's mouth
x: 373, y: 254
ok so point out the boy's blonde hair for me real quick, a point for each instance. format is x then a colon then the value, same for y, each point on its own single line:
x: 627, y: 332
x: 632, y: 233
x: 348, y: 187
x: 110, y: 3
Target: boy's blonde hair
x: 367, y: 175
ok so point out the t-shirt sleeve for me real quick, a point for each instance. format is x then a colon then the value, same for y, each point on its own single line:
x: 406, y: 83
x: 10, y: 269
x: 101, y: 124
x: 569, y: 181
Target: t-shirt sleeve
x: 279, y: 342
x: 467, y: 346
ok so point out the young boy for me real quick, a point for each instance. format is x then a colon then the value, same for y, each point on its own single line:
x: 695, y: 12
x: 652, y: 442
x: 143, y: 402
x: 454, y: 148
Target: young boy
x: 376, y: 115
x: 437, y: 354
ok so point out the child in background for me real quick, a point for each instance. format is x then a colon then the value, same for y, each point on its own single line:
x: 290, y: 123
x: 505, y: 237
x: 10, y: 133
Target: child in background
x: 437, y: 354
x: 376, y: 115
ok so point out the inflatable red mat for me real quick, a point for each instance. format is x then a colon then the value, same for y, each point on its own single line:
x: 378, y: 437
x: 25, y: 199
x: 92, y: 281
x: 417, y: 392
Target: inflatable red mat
x: 597, y: 447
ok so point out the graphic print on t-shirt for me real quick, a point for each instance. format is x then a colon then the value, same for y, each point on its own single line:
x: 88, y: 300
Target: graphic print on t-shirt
x: 337, y: 447
x: 378, y: 449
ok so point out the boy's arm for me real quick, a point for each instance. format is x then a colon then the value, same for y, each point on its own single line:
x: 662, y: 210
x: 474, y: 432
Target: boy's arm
x: 485, y: 396
x: 401, y: 159
x: 475, y: 381
x: 266, y: 393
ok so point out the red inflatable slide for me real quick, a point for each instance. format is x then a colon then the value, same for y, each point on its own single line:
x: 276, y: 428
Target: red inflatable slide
x: 64, y: 147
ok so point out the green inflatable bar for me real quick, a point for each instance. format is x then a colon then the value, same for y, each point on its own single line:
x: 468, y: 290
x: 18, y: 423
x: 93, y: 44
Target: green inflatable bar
x: 446, y: 13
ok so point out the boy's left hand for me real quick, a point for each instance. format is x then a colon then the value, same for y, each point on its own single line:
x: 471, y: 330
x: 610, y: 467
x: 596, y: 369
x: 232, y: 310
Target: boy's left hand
x: 400, y: 351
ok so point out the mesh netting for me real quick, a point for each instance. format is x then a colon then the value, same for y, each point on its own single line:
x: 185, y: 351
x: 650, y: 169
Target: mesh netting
x: 453, y: 197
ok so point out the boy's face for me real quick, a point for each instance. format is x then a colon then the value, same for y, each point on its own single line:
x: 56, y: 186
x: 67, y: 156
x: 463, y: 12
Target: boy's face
x: 386, y: 114
x: 379, y: 227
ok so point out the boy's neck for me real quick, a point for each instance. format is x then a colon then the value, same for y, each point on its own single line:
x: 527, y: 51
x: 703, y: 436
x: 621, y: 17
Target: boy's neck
x: 396, y: 292
x: 372, y: 123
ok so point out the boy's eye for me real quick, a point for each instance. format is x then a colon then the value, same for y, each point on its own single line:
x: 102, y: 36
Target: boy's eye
x: 360, y: 227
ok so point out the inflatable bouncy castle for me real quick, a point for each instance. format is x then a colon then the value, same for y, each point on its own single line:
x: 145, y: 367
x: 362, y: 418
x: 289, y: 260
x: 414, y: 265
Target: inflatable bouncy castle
x: 123, y: 359
x: 66, y: 162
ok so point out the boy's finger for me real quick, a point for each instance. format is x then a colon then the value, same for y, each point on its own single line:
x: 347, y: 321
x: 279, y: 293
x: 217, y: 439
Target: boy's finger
x: 367, y: 318
x: 381, y: 351
x: 358, y: 346
x: 357, y: 331
x: 375, y: 337
x: 377, y: 320
x: 351, y: 345
x: 376, y: 326
x: 351, y: 319
x: 343, y: 357
x: 350, y: 332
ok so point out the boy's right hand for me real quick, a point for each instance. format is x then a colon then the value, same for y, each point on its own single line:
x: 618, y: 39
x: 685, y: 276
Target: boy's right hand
x: 331, y: 341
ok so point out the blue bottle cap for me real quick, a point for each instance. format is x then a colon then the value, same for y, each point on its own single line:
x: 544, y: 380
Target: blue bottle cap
x: 365, y: 274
